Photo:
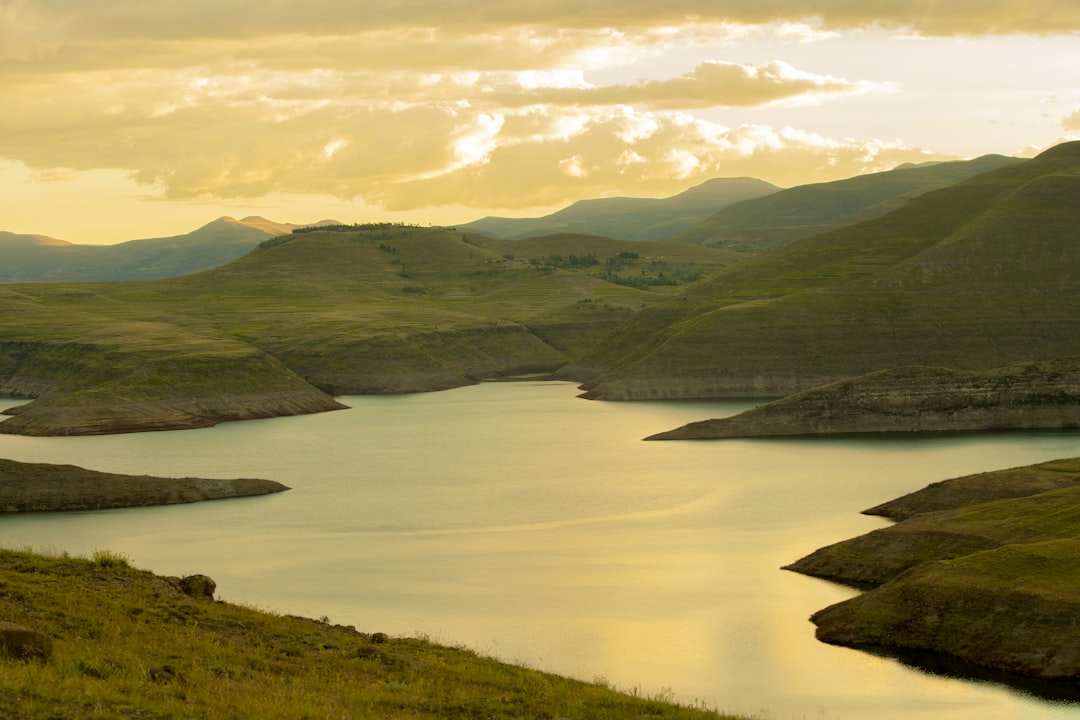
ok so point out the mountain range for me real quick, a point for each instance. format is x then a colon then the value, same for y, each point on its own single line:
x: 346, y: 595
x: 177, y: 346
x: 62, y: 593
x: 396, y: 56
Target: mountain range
x: 37, y: 257
x: 626, y: 218
x: 981, y: 274
x: 977, y: 275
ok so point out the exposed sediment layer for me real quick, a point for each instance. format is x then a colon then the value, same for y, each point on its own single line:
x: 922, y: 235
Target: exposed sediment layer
x: 989, y: 582
x: 1029, y: 396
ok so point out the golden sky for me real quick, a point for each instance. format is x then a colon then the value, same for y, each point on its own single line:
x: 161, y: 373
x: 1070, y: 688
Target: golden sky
x: 143, y: 118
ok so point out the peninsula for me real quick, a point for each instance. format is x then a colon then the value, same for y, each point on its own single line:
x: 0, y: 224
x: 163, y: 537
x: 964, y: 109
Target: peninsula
x: 981, y: 571
x: 41, y: 487
x: 1028, y: 396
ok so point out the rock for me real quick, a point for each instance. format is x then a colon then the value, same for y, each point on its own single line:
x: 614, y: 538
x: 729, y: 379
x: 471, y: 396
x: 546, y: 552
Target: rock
x: 165, y: 674
x: 22, y: 643
x: 379, y: 637
x: 199, y: 587
x: 1029, y: 396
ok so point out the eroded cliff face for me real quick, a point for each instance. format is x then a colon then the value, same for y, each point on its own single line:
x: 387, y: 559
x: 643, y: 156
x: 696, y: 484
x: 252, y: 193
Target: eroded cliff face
x: 1011, y: 610
x: 1043, y: 395
x: 981, y: 569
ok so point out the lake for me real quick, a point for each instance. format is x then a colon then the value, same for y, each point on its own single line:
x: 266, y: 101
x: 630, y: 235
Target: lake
x: 536, y: 527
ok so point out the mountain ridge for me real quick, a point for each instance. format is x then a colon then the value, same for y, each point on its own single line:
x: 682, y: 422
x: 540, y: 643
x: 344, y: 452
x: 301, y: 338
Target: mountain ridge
x: 972, y: 276
x: 629, y: 218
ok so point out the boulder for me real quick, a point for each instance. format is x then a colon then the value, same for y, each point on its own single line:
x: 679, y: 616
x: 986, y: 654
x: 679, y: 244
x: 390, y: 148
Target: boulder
x: 199, y: 587
x: 22, y: 643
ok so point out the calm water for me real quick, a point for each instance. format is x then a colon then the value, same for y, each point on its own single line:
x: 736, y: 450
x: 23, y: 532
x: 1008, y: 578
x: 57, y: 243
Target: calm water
x: 527, y: 524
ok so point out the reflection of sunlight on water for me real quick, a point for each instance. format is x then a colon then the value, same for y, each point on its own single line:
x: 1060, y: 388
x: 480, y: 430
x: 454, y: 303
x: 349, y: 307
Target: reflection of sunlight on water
x: 527, y: 524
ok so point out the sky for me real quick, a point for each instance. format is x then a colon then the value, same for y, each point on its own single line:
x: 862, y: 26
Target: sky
x: 125, y: 119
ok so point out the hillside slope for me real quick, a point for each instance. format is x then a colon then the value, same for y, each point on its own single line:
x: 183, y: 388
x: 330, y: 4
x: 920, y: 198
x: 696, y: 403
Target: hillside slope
x: 1031, y: 396
x: 982, y: 274
x: 979, y: 577
x: 757, y: 225
x: 359, y: 309
x: 126, y: 643
x: 625, y: 218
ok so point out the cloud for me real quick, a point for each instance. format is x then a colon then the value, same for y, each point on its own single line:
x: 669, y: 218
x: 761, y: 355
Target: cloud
x: 654, y: 153
x: 1072, y: 121
x: 417, y: 103
x: 711, y: 84
x: 246, y: 19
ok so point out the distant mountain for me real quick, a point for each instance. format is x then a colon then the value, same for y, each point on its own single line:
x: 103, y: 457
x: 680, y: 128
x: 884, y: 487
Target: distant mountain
x: 625, y: 218
x: 981, y: 274
x: 761, y: 224
x: 26, y: 258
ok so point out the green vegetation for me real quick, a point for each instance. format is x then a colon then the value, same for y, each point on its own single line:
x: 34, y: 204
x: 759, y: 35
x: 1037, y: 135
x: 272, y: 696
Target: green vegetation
x: 1029, y: 396
x: 131, y: 644
x: 629, y: 218
x: 974, y: 276
x: 355, y: 309
x: 761, y: 224
x: 982, y: 570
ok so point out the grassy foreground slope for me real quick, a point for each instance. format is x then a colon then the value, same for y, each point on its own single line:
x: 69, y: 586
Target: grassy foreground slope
x: 366, y: 309
x: 982, y: 274
x: 129, y: 644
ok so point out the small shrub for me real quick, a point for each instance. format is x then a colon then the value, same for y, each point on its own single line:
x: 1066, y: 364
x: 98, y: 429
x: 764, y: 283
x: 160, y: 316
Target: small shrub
x: 110, y: 559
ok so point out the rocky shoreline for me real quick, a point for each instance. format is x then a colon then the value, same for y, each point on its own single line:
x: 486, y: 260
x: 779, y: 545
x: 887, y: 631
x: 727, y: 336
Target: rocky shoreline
x: 989, y: 581
x: 1028, y: 396
x: 41, y: 487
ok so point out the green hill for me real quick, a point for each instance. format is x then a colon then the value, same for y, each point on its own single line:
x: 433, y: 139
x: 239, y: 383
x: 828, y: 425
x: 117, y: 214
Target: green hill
x: 982, y: 570
x: 360, y: 309
x: 129, y: 644
x: 627, y: 218
x: 777, y: 219
x: 978, y: 275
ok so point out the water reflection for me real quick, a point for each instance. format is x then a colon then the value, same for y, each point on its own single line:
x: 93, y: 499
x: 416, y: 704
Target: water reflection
x: 537, y: 527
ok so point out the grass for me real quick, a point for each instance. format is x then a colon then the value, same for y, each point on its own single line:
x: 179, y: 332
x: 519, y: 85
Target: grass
x: 128, y: 644
x: 325, y: 310
x: 989, y: 582
x: 972, y: 276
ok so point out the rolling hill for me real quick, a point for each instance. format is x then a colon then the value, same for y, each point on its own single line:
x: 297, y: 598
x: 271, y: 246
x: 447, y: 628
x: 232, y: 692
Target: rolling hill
x: 358, y: 309
x: 626, y: 218
x: 981, y: 274
x: 777, y: 219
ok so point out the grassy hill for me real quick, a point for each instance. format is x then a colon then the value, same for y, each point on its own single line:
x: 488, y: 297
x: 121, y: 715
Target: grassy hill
x: 130, y: 644
x: 357, y: 309
x: 982, y: 274
x: 981, y: 570
x: 627, y: 218
x: 25, y: 258
x: 782, y: 217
